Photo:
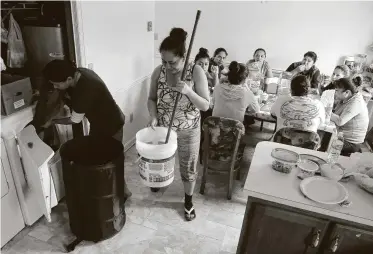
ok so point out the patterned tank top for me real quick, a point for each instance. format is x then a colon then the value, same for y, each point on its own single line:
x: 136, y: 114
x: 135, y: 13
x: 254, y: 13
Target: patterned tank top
x: 187, y: 115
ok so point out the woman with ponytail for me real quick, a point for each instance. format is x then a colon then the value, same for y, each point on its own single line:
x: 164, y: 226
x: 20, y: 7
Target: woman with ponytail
x: 164, y: 87
x: 232, y: 97
x: 203, y: 59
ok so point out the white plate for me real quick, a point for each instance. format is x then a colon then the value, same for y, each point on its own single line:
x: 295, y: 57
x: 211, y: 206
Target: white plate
x: 324, y: 191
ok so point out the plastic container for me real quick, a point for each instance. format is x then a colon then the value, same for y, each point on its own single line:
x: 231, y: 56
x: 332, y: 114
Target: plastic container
x: 285, y: 83
x: 307, y: 168
x: 157, y: 159
x: 332, y: 171
x: 284, y: 160
x: 93, y: 173
x: 335, y: 149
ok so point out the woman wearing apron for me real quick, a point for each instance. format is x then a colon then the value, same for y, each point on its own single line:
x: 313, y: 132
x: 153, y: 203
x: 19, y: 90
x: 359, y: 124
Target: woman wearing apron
x: 164, y: 88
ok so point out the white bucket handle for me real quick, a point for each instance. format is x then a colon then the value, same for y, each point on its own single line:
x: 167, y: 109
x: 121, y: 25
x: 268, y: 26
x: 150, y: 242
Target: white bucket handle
x: 136, y: 161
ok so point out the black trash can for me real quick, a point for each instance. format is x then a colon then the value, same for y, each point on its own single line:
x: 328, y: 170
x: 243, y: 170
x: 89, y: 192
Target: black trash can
x: 93, y: 173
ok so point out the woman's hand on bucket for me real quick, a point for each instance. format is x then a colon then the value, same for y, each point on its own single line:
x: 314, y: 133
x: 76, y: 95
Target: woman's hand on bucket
x: 153, y: 122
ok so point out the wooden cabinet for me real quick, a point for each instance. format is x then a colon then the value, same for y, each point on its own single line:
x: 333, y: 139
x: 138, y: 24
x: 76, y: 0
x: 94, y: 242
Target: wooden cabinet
x: 278, y: 229
x: 273, y: 230
x: 346, y: 240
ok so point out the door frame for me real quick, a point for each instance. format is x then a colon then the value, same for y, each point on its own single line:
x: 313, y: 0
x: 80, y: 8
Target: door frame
x: 75, y: 35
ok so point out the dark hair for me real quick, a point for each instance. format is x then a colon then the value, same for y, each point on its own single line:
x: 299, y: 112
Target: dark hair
x: 312, y: 55
x: 218, y: 50
x: 357, y: 80
x: 59, y: 70
x: 300, y: 85
x: 203, y: 53
x: 344, y: 68
x: 260, y: 49
x: 175, y: 42
x: 346, y: 84
x: 237, y: 73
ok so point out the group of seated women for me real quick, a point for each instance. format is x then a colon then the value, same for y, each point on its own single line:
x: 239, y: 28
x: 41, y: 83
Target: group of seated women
x: 232, y: 97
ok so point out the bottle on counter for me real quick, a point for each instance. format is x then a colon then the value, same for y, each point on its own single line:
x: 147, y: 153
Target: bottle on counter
x: 335, y: 149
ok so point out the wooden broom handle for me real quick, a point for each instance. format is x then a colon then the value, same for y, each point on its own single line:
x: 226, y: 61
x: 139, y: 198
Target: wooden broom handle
x: 183, y: 74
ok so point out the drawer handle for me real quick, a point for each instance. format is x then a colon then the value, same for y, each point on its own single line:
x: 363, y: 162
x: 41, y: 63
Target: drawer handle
x: 334, y: 244
x: 316, y: 239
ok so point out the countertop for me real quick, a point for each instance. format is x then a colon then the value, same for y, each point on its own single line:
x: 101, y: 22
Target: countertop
x: 14, y: 123
x: 265, y: 183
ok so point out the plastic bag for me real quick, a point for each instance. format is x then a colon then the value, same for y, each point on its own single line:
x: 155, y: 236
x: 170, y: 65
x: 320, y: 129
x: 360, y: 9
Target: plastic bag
x: 4, y: 34
x: 3, y: 67
x: 16, y: 53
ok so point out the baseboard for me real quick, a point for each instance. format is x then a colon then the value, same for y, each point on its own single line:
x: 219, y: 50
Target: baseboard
x: 129, y: 144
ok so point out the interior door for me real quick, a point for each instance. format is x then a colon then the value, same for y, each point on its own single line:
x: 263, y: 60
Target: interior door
x: 347, y: 240
x: 35, y: 155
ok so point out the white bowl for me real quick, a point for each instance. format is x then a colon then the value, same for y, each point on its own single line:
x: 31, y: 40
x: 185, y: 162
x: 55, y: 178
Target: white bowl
x: 307, y: 168
x: 332, y: 171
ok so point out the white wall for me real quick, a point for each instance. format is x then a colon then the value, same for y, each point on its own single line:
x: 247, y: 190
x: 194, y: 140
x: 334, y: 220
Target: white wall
x: 285, y: 29
x: 117, y: 43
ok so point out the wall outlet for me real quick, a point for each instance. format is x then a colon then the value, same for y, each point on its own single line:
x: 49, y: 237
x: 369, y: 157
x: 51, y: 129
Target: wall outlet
x: 150, y: 26
x: 156, y: 36
x: 131, y: 117
x: 90, y: 66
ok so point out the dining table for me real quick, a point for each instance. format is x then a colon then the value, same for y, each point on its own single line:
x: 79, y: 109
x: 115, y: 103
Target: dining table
x: 264, y: 115
x: 265, y: 112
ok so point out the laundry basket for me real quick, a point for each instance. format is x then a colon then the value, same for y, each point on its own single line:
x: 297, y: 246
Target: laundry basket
x: 93, y: 173
x: 157, y: 159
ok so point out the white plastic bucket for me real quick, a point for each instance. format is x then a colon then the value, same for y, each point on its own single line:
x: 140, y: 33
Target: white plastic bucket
x: 157, y: 160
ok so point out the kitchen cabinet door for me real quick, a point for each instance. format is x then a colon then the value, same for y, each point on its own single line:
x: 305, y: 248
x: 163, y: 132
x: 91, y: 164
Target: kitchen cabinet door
x: 273, y: 230
x: 349, y: 240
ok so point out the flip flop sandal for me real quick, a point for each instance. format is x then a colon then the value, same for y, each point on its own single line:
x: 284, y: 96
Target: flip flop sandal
x: 154, y: 189
x: 189, y: 214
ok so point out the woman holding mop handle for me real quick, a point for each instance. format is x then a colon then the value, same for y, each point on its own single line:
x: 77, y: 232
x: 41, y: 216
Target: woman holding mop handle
x: 165, y: 85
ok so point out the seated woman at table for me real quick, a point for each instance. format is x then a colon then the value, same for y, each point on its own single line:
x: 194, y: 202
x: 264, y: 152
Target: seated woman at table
x: 340, y: 71
x: 203, y: 59
x: 307, y: 68
x: 260, y: 63
x: 350, y: 115
x: 218, y: 61
x: 232, y: 97
x: 299, y: 111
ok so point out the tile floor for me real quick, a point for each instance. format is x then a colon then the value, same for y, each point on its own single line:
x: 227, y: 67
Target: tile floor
x: 155, y: 221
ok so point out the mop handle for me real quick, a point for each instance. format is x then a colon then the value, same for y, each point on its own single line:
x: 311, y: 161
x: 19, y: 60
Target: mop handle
x: 183, y: 74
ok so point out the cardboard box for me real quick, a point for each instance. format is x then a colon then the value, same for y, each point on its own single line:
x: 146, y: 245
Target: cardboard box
x: 16, y: 93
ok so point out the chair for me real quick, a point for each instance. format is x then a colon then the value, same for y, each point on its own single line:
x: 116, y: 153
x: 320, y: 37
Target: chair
x: 222, y: 149
x: 298, y: 138
x: 204, y: 115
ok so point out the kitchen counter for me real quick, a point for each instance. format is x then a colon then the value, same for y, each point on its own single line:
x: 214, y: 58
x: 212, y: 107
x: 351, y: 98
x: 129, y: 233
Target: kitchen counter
x: 13, y: 123
x: 280, y: 219
x: 265, y: 183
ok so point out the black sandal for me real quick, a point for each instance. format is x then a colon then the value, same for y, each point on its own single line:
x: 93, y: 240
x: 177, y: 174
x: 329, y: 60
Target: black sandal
x: 154, y: 189
x: 190, y: 214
